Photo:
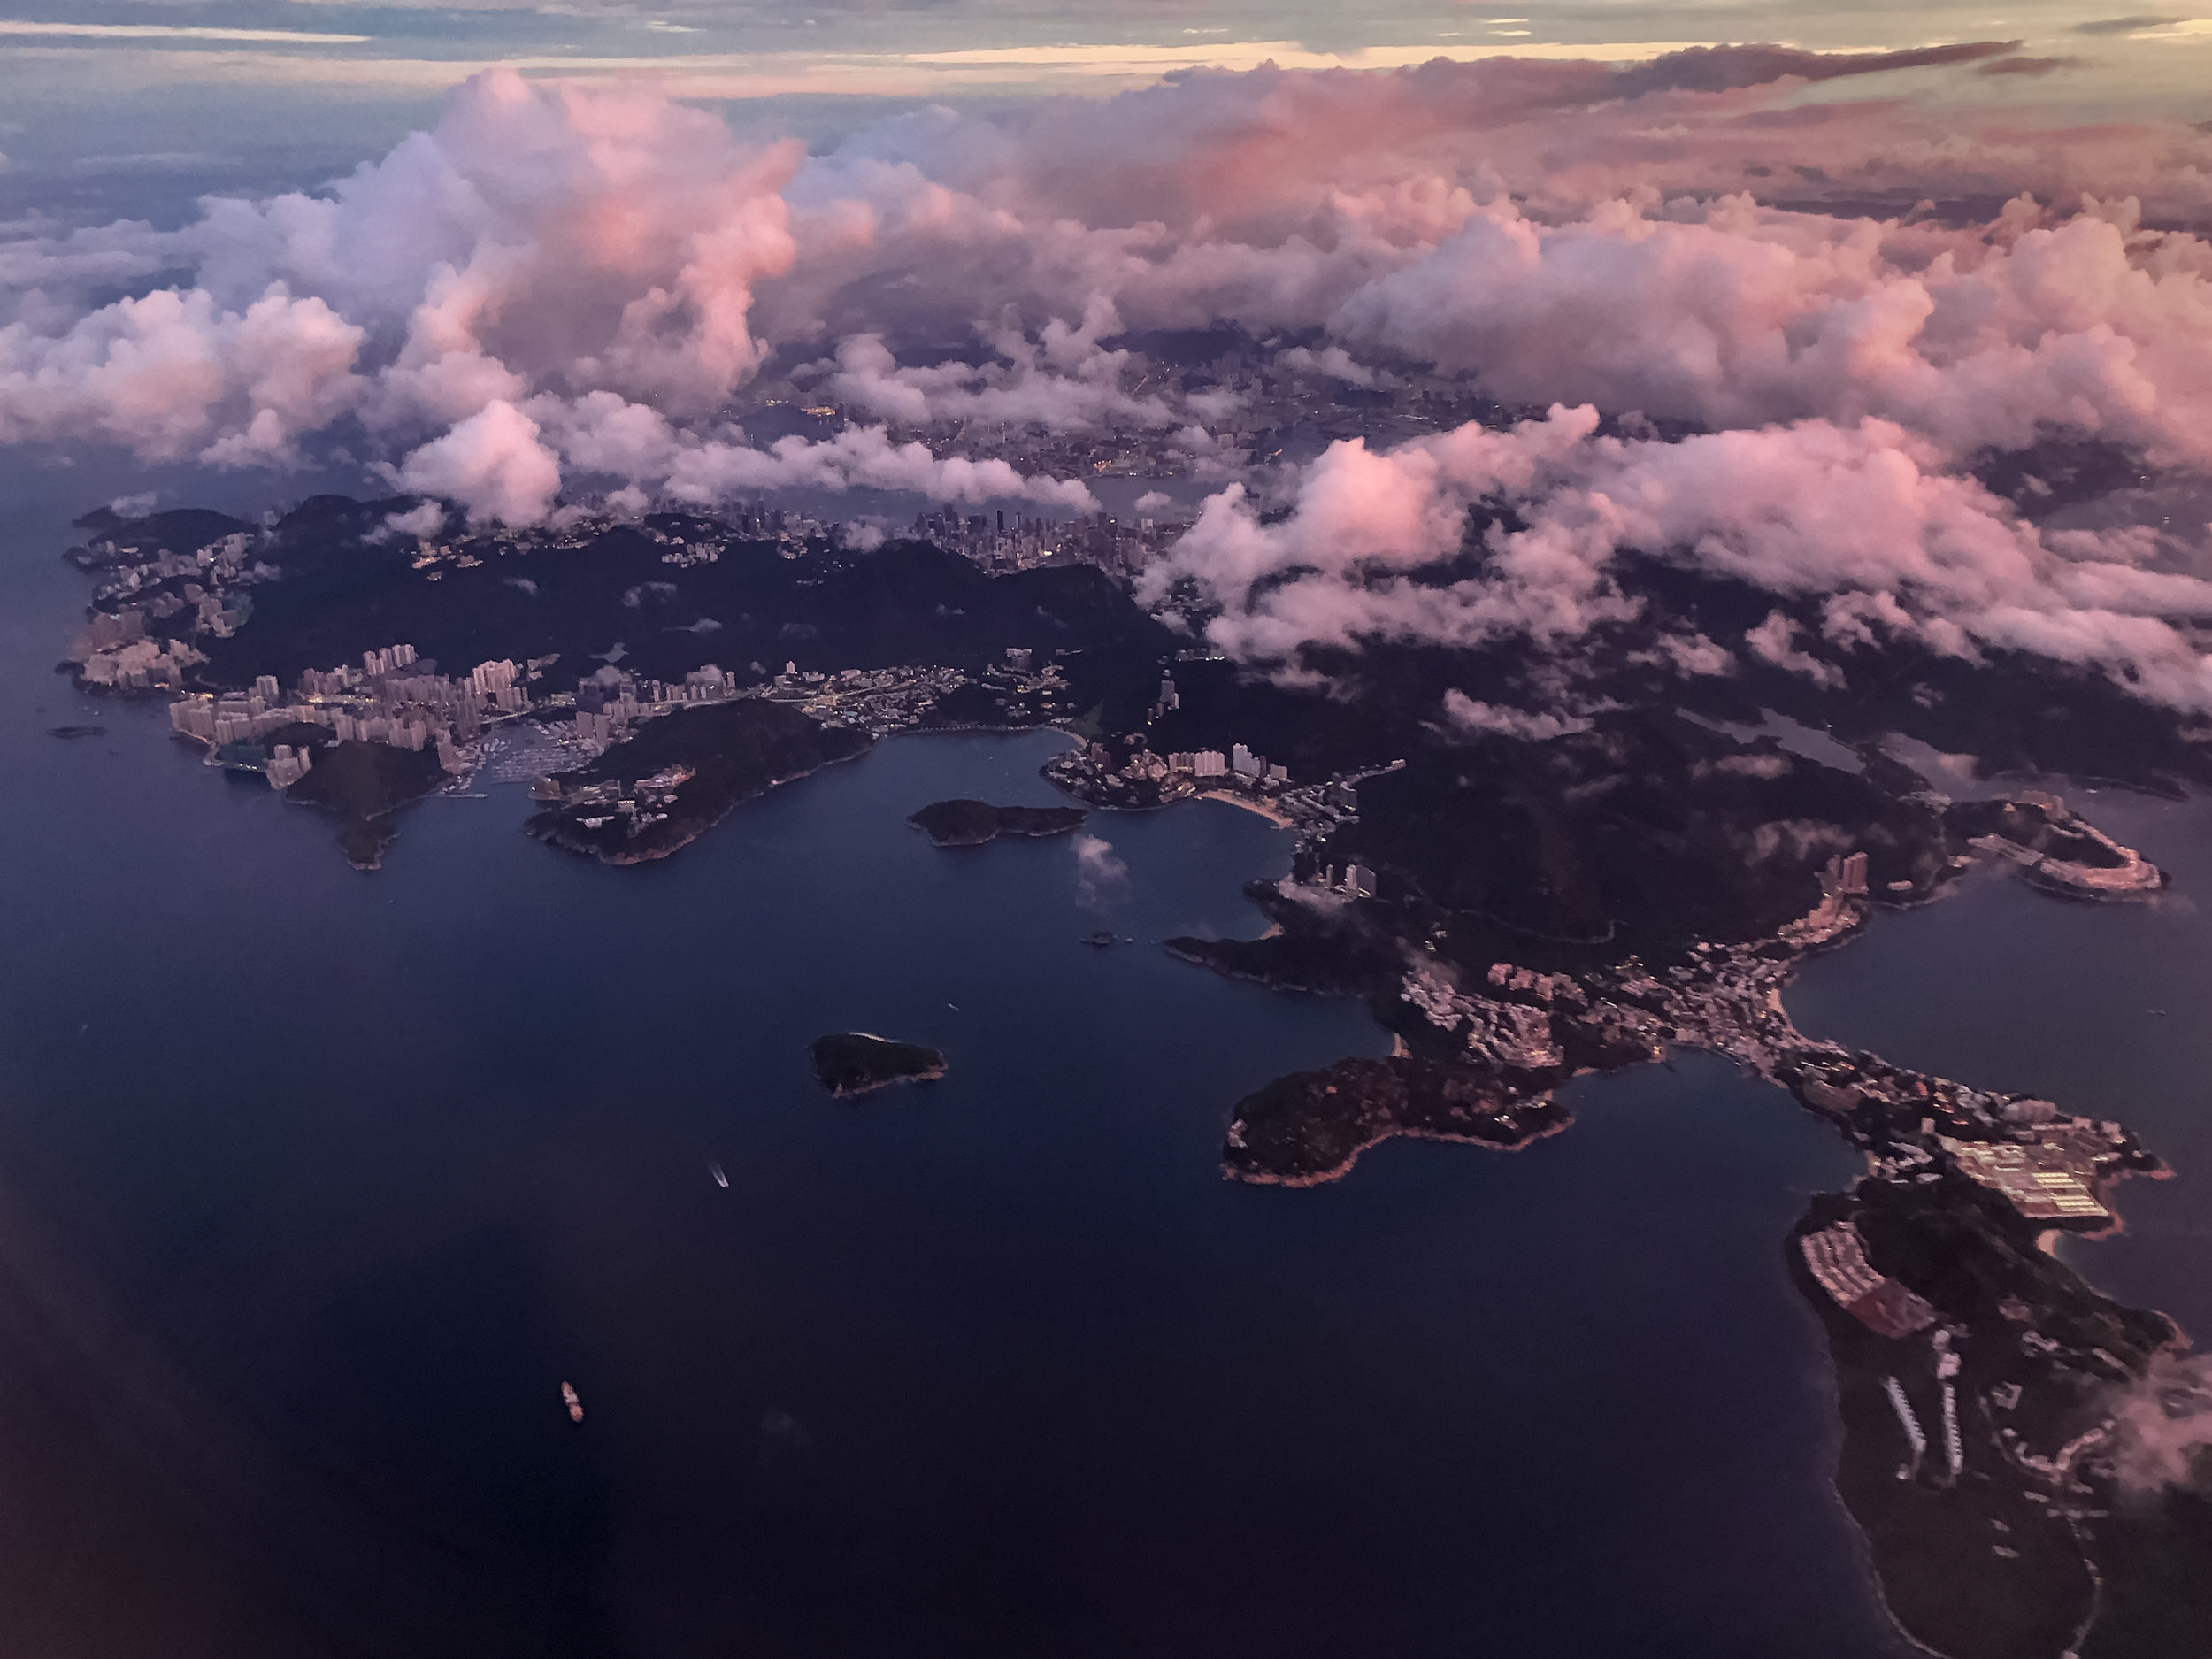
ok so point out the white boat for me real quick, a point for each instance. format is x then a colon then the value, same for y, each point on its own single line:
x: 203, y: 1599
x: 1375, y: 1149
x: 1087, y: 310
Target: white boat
x: 720, y: 1179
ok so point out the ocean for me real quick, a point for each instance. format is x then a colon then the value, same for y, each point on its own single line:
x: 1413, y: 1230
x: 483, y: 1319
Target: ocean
x: 316, y: 1186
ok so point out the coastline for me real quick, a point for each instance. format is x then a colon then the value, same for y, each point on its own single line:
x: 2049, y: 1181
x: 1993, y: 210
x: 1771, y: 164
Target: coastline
x: 1260, y: 808
x: 860, y: 1091
x: 551, y: 836
x: 1323, y: 1178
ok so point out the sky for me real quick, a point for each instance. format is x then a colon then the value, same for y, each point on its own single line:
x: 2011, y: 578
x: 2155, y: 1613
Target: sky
x: 1768, y: 305
x: 109, y: 100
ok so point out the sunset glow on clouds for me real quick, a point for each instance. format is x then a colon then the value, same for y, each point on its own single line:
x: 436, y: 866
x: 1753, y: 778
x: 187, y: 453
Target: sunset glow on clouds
x: 1833, y: 302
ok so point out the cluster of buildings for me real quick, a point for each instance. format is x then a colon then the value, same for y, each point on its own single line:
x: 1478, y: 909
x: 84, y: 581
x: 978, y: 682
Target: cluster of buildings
x: 999, y: 543
x: 114, y: 652
x: 1516, y: 1034
x: 1240, y: 762
x: 2046, y: 1165
x: 1835, y: 1257
x: 1354, y: 880
x: 2048, y: 1178
x: 636, y: 805
x: 143, y: 583
x: 2131, y: 875
x: 1206, y: 767
x: 610, y: 700
x: 1841, y: 907
x: 394, y: 698
x: 879, y: 701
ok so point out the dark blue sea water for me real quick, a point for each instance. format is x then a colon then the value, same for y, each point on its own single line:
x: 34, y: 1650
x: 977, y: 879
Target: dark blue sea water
x: 315, y: 1186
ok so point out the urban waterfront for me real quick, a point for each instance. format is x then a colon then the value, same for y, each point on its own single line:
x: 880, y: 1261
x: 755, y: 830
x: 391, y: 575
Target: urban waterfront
x: 2100, y: 1007
x: 319, y: 1185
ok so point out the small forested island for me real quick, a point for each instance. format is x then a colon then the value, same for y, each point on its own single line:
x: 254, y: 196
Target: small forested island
x: 855, y: 1063
x: 977, y: 822
x: 656, y: 792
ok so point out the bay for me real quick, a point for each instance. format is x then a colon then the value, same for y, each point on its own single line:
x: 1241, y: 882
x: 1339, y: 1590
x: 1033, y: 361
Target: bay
x: 318, y: 1185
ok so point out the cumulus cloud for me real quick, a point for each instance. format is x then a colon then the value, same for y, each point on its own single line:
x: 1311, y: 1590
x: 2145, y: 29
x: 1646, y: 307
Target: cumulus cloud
x: 1772, y: 335
x: 1101, y: 878
x: 423, y: 520
x: 1744, y: 316
x: 176, y: 376
x: 1863, y: 515
x: 493, y: 462
x: 1774, y: 642
x: 2163, y: 1427
x: 1466, y: 715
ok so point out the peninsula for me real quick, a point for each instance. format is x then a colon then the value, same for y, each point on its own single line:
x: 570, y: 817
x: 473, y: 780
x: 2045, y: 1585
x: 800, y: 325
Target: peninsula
x: 1981, y: 1382
x: 364, y: 785
x: 654, y: 794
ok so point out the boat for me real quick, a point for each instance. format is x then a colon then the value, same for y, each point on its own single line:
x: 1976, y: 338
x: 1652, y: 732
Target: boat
x: 720, y: 1179
x: 575, y: 1406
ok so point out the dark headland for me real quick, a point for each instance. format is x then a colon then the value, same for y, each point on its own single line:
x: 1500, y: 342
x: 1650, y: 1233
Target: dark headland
x: 977, y: 822
x: 365, y: 785
x: 852, y: 1063
x: 655, y: 793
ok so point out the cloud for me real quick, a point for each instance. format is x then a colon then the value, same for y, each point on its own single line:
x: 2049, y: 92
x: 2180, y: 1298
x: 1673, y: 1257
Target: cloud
x: 1725, y: 68
x: 1743, y: 317
x: 2122, y: 26
x: 178, y: 32
x: 424, y: 520
x: 2163, y: 1424
x: 1864, y: 517
x: 492, y: 463
x: 2027, y: 65
x: 1102, y: 879
x: 175, y: 376
x: 1684, y: 239
x: 1485, y: 718
x: 1774, y: 642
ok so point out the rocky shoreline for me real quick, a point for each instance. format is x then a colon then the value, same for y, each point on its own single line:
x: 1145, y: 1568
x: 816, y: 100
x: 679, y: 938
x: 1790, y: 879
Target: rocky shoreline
x: 1979, y: 1380
x: 852, y: 1064
x: 651, y: 796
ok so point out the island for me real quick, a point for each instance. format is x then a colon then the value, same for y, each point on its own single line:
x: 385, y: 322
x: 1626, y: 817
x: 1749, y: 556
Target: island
x: 977, y: 824
x: 654, y: 793
x: 851, y: 1063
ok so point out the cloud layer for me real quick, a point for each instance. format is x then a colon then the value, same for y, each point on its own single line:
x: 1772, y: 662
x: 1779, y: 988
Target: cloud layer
x: 1816, y: 312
